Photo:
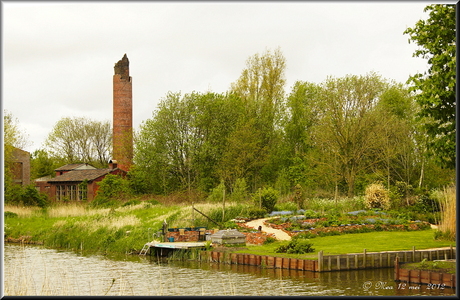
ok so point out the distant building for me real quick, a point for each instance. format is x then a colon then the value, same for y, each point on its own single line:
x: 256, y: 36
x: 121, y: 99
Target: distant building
x: 21, y: 167
x: 75, y: 182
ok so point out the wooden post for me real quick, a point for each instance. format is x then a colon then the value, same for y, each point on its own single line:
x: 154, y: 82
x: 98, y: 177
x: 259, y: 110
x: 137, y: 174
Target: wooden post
x: 356, y: 261
x: 348, y: 262
x: 364, y: 258
x: 320, y: 261
x: 413, y: 253
x: 397, y: 268
x: 338, y: 262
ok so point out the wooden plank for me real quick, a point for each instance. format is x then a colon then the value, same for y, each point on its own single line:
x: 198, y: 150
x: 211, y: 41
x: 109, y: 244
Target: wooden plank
x: 278, y: 262
x: 293, y: 264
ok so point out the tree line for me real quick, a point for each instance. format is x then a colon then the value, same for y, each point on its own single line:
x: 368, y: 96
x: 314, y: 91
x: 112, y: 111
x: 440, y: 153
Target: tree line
x: 326, y: 139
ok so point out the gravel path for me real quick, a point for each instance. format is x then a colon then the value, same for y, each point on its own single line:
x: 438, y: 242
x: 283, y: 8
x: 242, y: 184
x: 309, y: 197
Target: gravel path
x: 279, y: 234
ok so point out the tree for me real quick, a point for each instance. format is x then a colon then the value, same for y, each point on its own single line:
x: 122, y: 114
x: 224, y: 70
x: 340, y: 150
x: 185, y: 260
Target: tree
x: 349, y: 131
x: 42, y: 164
x: 261, y: 88
x: 81, y: 140
x: 436, y: 88
x: 182, y: 145
x: 13, y: 137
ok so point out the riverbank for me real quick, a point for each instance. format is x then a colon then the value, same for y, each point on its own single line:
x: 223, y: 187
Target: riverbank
x: 126, y: 229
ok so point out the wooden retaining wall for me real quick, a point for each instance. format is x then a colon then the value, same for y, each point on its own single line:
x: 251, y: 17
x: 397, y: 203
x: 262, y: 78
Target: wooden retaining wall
x: 435, y: 279
x: 372, y: 260
x: 264, y: 261
x: 325, y: 263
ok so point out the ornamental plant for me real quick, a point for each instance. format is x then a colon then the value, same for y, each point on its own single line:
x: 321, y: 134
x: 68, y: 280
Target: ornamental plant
x: 376, y: 196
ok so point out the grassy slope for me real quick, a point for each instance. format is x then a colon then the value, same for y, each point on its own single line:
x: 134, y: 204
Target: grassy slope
x: 106, y: 231
x: 356, y: 243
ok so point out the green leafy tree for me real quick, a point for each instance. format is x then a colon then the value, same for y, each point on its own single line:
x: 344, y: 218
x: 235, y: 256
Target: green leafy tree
x: 436, y: 88
x: 266, y: 198
x: 13, y: 137
x: 79, y: 140
x: 31, y: 197
x: 261, y: 88
x: 42, y: 164
x: 112, y: 187
x: 349, y: 131
x: 181, y: 146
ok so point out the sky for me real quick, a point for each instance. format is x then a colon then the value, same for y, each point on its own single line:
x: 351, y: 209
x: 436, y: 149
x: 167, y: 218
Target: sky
x: 58, y: 57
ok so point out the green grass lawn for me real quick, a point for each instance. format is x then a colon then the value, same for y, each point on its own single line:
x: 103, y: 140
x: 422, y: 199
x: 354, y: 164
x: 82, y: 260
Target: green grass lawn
x: 357, y: 242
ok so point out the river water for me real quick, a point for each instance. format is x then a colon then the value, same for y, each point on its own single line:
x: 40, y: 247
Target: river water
x: 35, y: 270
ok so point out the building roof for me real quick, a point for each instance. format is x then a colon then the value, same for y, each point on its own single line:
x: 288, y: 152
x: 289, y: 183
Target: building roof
x: 81, y: 175
x: 70, y: 167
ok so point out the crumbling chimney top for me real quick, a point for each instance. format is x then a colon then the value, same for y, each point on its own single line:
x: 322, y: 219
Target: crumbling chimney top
x: 122, y: 67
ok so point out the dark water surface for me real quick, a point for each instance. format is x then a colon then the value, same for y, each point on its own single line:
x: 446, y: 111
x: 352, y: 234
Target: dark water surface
x: 35, y: 270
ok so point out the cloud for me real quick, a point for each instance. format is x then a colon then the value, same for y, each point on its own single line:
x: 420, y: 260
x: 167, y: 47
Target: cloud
x: 58, y: 57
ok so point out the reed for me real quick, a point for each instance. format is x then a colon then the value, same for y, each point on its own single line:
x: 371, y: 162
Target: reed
x: 447, y: 226
x: 22, y: 211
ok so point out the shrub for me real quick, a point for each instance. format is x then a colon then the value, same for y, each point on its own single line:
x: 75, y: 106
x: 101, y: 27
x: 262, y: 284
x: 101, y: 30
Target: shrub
x: 286, y: 206
x: 266, y: 198
x: 239, y: 193
x: 269, y: 240
x: 9, y: 214
x: 376, y: 196
x: 31, y: 197
x: 296, y: 246
x: 311, y: 214
x: 131, y: 202
x: 111, y: 188
x: 255, y: 213
x: 217, y: 193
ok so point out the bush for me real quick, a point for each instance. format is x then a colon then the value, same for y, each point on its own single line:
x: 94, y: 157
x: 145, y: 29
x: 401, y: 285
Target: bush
x: 239, y: 193
x: 255, y: 213
x: 296, y: 246
x: 31, y: 197
x: 269, y: 240
x: 266, y: 198
x: 311, y: 214
x: 10, y: 214
x: 217, y: 193
x: 286, y: 206
x: 131, y: 202
x: 376, y: 196
x: 111, y: 188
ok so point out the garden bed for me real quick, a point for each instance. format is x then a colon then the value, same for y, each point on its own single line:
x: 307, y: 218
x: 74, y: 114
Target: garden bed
x: 354, y: 222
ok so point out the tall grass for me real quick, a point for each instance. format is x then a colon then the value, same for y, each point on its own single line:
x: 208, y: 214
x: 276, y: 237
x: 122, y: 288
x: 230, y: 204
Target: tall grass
x: 447, y: 226
x: 341, y: 206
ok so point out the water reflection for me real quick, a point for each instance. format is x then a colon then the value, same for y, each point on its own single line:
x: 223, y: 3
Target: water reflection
x: 34, y: 270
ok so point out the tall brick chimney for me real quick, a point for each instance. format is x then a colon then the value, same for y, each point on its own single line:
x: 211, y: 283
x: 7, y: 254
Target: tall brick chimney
x: 122, y: 115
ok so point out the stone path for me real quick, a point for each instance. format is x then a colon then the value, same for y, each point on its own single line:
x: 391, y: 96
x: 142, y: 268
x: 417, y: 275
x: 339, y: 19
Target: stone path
x: 279, y: 234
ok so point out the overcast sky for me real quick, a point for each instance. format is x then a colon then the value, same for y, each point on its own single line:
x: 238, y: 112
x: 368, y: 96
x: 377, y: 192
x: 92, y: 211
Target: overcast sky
x: 58, y: 57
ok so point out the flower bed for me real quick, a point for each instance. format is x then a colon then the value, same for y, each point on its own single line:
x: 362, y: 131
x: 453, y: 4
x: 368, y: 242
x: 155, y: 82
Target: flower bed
x: 345, y: 228
x: 254, y: 237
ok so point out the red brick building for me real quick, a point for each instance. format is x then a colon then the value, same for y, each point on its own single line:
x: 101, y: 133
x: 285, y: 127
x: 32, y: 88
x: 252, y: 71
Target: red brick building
x: 75, y: 182
x: 21, y: 167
